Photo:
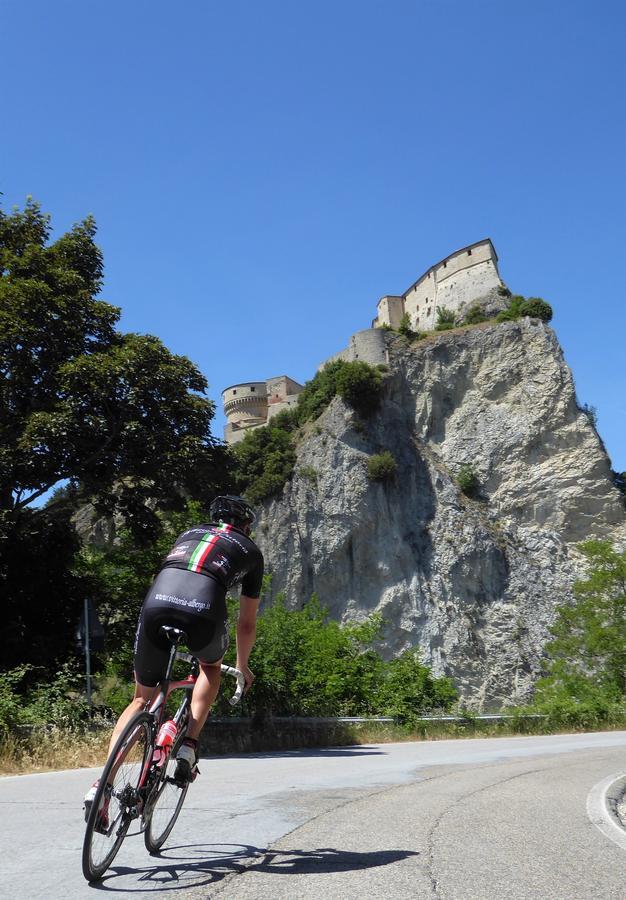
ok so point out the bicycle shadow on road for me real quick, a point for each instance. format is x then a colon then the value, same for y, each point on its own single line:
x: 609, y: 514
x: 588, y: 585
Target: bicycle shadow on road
x: 221, y: 860
x: 320, y: 752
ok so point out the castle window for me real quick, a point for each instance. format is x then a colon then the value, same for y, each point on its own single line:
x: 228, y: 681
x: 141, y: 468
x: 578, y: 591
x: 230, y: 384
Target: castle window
x: 445, y: 265
x: 469, y: 252
x: 234, y: 392
x: 252, y: 387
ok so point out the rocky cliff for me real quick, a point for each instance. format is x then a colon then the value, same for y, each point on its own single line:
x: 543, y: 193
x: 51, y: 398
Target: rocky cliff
x: 472, y: 582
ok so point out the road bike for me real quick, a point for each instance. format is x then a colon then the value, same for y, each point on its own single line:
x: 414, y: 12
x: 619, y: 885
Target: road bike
x: 138, y: 782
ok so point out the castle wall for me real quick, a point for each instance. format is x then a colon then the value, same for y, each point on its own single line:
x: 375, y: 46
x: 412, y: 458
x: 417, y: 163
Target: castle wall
x: 390, y: 311
x: 420, y: 302
x: 465, y: 286
x: 368, y: 346
x: 454, y: 282
x: 280, y: 405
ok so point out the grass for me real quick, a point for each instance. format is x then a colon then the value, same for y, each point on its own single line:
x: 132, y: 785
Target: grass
x: 51, y: 749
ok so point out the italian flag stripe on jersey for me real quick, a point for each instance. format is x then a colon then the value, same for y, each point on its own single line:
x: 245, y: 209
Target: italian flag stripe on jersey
x: 206, y: 543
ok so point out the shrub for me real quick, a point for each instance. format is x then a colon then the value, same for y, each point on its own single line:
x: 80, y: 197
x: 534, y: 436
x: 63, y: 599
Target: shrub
x: 513, y: 311
x: 381, y: 466
x: 503, y: 290
x: 318, y: 392
x: 467, y: 479
x: 405, y: 326
x: 56, y: 701
x: 591, y: 412
x: 360, y: 385
x: 408, y: 689
x: 308, y: 664
x: 586, y: 671
x: 309, y: 473
x: 518, y: 306
x: 446, y: 319
x: 11, y: 703
x: 475, y: 314
x: 537, y: 309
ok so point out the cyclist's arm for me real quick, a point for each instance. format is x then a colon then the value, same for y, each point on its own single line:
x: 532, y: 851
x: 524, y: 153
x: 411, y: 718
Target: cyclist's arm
x: 246, y: 634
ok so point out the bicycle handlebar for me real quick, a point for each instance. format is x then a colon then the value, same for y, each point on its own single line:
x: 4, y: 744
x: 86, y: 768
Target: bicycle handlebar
x: 241, y: 683
x: 228, y: 670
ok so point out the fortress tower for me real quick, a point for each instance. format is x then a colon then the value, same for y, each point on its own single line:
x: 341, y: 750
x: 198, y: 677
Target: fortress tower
x: 253, y: 403
x: 454, y: 282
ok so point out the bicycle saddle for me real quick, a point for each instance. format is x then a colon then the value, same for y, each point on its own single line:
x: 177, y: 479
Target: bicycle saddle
x: 174, y: 635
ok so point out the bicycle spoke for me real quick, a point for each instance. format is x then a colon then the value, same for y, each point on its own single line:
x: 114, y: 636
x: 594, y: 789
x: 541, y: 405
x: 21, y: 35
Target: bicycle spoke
x: 118, y: 800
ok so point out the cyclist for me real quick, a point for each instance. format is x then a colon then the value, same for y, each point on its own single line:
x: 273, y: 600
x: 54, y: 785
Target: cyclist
x: 190, y: 593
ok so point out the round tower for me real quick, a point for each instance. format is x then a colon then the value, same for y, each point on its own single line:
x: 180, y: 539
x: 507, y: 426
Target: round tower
x: 245, y: 405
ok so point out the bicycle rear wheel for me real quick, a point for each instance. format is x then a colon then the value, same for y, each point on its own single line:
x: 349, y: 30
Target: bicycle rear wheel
x: 117, y: 801
x: 166, y: 803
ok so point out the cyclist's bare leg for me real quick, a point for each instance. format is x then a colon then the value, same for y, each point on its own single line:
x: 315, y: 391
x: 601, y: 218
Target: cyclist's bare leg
x: 143, y: 695
x: 203, y: 696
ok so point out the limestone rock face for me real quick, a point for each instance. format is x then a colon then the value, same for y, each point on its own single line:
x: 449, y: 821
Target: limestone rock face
x: 473, y: 582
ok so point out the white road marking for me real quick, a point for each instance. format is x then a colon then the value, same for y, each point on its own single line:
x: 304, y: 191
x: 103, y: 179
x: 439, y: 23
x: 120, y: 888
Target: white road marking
x: 601, y: 802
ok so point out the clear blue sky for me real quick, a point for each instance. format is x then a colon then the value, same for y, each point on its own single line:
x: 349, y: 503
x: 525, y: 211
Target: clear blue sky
x: 262, y: 172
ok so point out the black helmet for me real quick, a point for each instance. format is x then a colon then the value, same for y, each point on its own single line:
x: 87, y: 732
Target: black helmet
x: 233, y: 510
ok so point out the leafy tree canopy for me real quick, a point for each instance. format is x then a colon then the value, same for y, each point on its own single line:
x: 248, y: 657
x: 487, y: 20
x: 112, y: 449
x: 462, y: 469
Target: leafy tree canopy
x: 80, y: 401
x: 115, y: 418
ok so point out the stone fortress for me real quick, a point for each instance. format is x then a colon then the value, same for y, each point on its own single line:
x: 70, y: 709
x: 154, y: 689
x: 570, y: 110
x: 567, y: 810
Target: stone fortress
x: 254, y: 403
x: 454, y: 283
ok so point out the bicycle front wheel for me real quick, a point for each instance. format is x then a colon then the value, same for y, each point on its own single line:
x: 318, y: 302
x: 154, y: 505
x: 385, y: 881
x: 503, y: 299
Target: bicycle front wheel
x: 118, y: 799
x: 167, y: 801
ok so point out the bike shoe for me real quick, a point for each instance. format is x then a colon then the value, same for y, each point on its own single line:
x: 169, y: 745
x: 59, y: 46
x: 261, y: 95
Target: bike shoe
x: 186, y: 765
x: 102, y: 824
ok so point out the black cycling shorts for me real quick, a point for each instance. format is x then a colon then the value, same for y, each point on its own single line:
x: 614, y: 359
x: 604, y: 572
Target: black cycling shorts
x: 187, y: 600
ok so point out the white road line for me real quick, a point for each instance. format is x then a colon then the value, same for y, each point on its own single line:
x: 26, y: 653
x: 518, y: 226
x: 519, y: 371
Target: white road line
x: 601, y: 808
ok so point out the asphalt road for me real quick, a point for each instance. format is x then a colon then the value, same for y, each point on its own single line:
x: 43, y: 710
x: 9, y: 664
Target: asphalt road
x: 488, y: 819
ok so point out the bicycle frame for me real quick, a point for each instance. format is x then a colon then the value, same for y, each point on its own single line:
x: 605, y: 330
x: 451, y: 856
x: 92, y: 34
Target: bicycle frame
x: 166, y: 686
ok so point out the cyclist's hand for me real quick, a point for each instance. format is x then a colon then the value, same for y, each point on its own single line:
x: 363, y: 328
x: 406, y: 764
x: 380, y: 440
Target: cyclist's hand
x: 248, y: 675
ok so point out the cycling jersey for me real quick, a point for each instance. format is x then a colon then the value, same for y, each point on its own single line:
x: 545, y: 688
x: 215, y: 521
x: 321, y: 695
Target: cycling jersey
x: 189, y: 592
x: 222, y: 552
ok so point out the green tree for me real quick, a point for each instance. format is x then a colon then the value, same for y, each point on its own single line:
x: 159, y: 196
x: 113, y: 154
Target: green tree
x: 405, y: 328
x: 318, y: 392
x: 265, y: 459
x: 587, y: 656
x: 360, y: 385
x: 80, y: 401
x: 408, y: 689
x: 116, y: 417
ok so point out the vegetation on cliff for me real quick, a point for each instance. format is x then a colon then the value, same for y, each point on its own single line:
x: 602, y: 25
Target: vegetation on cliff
x: 266, y: 456
x: 586, y: 659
